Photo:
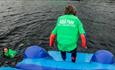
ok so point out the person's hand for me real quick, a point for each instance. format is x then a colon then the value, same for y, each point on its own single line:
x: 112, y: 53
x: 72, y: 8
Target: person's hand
x: 54, y: 47
x: 84, y: 46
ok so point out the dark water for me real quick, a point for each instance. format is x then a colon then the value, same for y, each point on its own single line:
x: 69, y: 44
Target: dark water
x: 26, y: 22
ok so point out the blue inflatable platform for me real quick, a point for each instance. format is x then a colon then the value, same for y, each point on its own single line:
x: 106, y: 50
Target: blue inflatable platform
x: 56, y: 63
x: 37, y: 58
x: 8, y: 68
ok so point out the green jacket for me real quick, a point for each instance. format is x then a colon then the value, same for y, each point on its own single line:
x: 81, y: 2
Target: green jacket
x: 11, y: 53
x: 68, y: 29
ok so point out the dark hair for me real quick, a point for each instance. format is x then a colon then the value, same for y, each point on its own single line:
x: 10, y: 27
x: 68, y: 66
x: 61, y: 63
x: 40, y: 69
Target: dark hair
x: 70, y: 9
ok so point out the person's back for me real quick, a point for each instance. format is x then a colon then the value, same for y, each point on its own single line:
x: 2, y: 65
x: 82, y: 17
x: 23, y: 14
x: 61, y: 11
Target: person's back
x: 68, y: 32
